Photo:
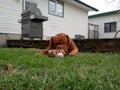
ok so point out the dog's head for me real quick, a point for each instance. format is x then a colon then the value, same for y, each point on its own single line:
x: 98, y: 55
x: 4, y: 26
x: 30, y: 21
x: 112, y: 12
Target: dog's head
x: 60, y: 42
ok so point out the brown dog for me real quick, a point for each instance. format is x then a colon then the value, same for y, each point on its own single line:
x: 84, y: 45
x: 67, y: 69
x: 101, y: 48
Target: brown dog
x: 62, y: 42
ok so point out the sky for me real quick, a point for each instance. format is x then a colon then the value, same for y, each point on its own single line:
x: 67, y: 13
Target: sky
x: 103, y: 5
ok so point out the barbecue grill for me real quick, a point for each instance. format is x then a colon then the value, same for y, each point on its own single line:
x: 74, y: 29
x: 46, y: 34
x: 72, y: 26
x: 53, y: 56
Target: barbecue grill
x: 32, y: 23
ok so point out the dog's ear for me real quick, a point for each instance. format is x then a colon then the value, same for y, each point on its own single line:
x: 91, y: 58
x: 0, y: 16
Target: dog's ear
x: 68, y: 39
x: 50, y: 45
x: 70, y: 42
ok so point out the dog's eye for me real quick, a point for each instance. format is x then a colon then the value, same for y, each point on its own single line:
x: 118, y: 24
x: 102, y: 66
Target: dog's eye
x: 61, y: 42
x: 55, y: 43
x: 58, y: 43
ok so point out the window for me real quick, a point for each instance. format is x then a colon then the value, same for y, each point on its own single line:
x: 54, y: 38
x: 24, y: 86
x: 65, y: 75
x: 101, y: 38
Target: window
x: 110, y: 27
x: 29, y: 3
x: 56, y: 8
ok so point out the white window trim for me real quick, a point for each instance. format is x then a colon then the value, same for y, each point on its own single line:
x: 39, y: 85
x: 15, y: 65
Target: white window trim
x: 56, y: 1
x: 110, y: 31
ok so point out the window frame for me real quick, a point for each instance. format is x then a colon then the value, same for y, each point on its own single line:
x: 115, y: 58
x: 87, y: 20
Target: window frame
x: 110, y: 25
x: 56, y: 2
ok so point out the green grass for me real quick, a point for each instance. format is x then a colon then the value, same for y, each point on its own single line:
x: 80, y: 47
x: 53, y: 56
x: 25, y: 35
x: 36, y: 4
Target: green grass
x: 86, y: 71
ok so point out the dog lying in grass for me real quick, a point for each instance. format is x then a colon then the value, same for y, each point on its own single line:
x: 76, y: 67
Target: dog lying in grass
x: 62, y: 41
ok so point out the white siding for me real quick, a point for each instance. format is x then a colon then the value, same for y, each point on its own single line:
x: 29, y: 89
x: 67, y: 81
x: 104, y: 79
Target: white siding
x: 101, y: 20
x: 10, y: 11
x: 75, y: 20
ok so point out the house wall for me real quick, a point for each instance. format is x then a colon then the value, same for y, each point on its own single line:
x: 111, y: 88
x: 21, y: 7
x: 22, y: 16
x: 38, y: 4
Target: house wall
x: 10, y: 12
x: 101, y: 20
x: 75, y: 20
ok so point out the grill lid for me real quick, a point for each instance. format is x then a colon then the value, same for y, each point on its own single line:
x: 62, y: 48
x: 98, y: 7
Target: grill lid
x: 33, y: 13
x: 32, y: 10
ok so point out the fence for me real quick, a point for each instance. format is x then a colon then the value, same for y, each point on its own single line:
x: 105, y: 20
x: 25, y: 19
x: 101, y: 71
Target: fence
x: 84, y: 45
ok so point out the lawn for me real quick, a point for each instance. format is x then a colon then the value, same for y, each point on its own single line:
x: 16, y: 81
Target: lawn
x: 86, y: 71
